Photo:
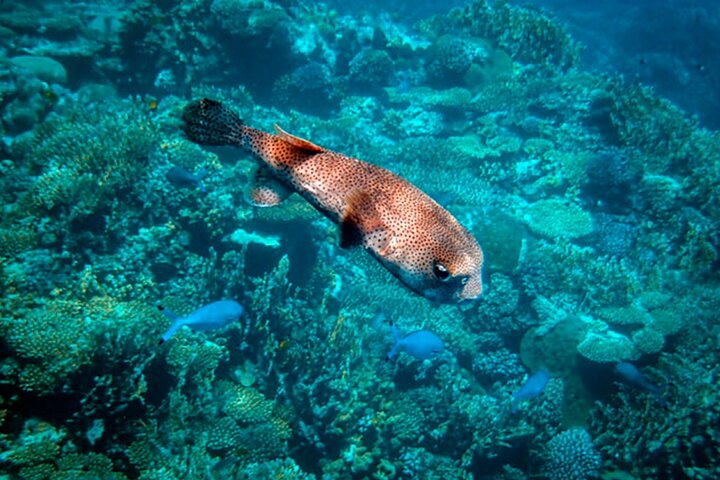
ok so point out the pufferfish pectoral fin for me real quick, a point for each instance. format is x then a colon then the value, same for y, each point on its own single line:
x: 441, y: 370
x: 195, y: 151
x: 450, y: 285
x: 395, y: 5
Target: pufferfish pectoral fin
x: 298, y: 142
x: 266, y: 190
x: 361, y: 224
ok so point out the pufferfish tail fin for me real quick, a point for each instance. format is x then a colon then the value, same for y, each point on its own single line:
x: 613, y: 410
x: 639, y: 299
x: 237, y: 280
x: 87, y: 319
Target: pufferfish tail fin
x: 208, y: 122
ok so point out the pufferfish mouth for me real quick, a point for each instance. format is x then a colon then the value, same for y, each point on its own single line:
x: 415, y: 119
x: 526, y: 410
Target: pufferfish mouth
x: 471, y: 290
x: 454, y: 292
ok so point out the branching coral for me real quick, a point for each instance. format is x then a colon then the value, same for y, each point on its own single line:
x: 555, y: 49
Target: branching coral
x: 578, y: 270
x: 637, y: 435
x: 672, y: 143
x: 55, y: 340
x: 86, y: 156
x: 527, y: 35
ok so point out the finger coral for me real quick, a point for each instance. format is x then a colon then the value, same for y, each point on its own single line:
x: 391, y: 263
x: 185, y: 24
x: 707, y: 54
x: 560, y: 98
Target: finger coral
x: 572, y: 456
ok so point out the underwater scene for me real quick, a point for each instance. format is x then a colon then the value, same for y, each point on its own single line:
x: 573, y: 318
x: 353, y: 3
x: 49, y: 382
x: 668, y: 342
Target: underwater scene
x: 294, y: 240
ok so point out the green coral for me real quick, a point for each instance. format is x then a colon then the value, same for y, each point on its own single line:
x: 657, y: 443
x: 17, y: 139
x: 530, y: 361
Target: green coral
x: 82, y: 161
x: 648, y: 341
x: 224, y: 436
x: 649, y: 441
x: 555, y: 218
x: 660, y: 195
x: 607, y: 346
x: 571, y: 269
x: 197, y: 359
x: 87, y: 466
x: 246, y: 405
x: 672, y: 143
x: 279, y: 468
x: 249, y: 18
x: 371, y: 68
x: 527, y: 35
x: 456, y: 98
x: 631, y: 315
x: 450, y: 58
x: 88, y: 156
x: 54, y: 341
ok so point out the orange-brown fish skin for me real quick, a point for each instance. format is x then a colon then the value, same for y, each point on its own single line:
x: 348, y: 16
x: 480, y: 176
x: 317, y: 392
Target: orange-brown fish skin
x: 412, y: 236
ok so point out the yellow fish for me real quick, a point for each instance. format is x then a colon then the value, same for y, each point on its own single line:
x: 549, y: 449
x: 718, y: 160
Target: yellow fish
x: 412, y: 236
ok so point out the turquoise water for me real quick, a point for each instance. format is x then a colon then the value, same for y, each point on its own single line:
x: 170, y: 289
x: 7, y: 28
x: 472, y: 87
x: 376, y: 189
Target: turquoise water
x: 576, y: 145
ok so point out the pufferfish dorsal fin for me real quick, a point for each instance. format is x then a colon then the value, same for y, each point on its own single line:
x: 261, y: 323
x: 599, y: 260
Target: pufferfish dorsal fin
x: 297, y: 141
x: 361, y: 224
x: 266, y: 190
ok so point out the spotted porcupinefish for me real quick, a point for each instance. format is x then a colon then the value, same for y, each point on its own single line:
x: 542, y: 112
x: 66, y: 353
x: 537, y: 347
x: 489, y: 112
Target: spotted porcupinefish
x: 409, y: 233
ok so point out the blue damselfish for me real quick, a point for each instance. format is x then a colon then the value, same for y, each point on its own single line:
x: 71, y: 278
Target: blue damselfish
x: 422, y: 344
x: 210, y: 317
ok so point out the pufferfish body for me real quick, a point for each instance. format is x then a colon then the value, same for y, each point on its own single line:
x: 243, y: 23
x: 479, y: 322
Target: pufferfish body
x: 409, y: 233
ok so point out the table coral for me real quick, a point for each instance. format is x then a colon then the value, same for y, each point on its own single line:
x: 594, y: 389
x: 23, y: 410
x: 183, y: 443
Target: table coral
x: 554, y: 218
x: 607, y: 347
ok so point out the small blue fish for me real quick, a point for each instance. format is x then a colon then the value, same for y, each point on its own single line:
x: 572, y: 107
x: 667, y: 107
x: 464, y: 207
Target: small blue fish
x: 210, y: 317
x: 533, y: 386
x: 180, y: 177
x: 422, y: 344
x: 631, y: 376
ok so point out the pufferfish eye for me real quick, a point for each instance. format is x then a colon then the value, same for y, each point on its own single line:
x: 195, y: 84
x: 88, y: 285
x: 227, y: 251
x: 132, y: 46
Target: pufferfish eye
x: 440, y: 271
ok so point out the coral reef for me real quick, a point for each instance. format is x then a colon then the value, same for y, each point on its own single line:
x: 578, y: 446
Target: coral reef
x: 527, y: 35
x: 595, y: 201
x: 370, y: 68
x: 555, y: 219
x: 572, y: 455
x: 648, y: 440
